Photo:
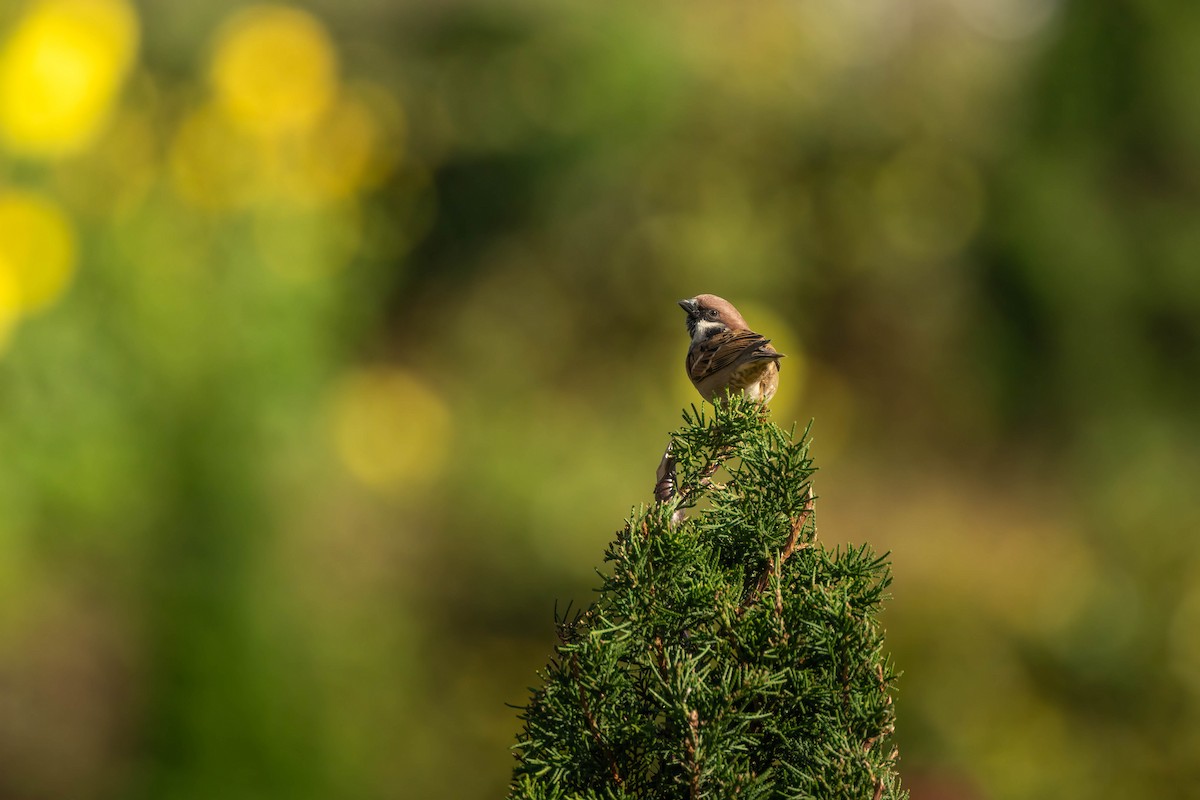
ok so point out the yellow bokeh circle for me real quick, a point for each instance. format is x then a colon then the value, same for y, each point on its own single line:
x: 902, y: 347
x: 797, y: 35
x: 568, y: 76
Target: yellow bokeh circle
x: 390, y: 429
x: 209, y: 163
x: 10, y: 304
x: 337, y: 158
x: 274, y: 70
x: 37, y: 249
x: 60, y: 71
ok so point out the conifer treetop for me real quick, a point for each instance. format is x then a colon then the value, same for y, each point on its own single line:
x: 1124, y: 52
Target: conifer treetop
x: 728, y: 654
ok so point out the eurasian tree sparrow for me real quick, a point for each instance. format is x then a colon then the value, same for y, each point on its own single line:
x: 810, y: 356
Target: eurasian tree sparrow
x: 725, y: 355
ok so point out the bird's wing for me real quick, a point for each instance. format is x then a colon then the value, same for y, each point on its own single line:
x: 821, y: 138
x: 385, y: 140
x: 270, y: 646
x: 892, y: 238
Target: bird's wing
x: 726, y: 350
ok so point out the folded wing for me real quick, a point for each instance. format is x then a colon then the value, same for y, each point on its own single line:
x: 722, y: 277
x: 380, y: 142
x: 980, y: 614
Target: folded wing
x: 725, y: 353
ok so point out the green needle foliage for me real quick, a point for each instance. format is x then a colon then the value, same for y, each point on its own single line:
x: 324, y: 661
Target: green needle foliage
x: 729, y: 654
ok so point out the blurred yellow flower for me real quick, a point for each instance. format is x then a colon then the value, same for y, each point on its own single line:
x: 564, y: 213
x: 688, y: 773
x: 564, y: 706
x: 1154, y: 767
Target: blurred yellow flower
x: 390, y: 429
x: 341, y: 155
x: 60, y: 70
x: 332, y: 160
x: 274, y: 70
x: 215, y: 164
x: 10, y: 304
x: 37, y: 252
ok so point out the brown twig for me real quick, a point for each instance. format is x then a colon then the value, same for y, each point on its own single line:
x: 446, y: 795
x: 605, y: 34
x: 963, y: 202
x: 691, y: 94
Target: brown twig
x: 886, y: 730
x: 692, y: 745
x: 592, y: 726
x: 702, y: 480
x: 774, y: 565
x: 660, y: 656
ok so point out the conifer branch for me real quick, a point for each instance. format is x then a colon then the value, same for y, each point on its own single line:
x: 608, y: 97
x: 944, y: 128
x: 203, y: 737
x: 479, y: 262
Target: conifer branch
x: 667, y: 686
x: 591, y: 723
x: 774, y: 565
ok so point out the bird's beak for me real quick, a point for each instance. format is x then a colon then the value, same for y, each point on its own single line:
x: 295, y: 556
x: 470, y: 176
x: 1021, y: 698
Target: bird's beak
x: 689, y: 306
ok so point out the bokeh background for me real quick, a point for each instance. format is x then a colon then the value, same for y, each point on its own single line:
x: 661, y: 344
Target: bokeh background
x: 337, y: 339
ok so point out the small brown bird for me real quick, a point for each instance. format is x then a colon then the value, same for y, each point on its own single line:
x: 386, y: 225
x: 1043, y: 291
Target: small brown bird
x: 725, y: 355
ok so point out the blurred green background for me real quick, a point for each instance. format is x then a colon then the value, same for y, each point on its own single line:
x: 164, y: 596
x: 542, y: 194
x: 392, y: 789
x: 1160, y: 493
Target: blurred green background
x: 337, y: 339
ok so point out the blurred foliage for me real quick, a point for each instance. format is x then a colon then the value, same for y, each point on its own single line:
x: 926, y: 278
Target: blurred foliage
x: 336, y: 339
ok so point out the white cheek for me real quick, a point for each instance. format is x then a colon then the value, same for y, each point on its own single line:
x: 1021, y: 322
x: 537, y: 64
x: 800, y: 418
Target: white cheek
x: 706, y: 328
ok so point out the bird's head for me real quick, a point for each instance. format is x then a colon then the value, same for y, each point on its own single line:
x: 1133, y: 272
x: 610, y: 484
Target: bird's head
x: 708, y: 314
